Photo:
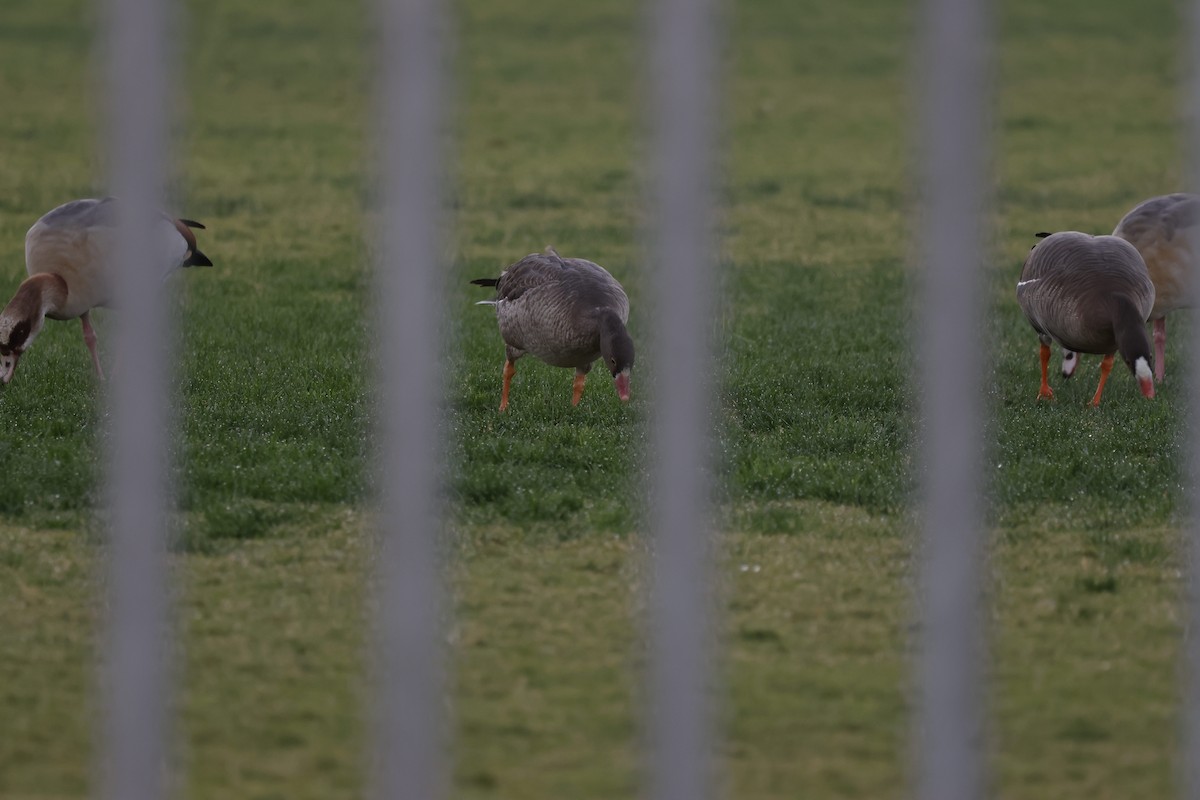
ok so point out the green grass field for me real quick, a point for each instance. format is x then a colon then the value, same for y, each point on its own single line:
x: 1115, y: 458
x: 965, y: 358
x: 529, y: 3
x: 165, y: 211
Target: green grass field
x: 545, y: 526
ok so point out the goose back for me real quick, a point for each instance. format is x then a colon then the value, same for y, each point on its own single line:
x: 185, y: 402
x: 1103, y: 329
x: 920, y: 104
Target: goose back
x: 1072, y: 283
x: 1161, y: 229
x: 551, y: 307
x: 76, y: 241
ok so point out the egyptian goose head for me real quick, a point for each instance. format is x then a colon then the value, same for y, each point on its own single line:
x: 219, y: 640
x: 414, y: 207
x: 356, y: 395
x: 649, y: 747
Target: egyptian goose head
x: 23, y: 317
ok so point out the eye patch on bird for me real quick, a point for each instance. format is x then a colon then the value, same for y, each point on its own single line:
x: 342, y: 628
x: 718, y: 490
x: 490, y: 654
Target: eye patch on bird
x: 16, y: 339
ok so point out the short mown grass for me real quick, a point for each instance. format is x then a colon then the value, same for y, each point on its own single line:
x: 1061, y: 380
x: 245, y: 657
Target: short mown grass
x: 546, y: 553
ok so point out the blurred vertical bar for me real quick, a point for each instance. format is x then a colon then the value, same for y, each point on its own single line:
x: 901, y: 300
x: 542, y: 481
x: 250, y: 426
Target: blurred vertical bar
x: 953, y: 83
x: 1190, y: 757
x: 135, y: 743
x: 408, y: 759
x: 684, y: 91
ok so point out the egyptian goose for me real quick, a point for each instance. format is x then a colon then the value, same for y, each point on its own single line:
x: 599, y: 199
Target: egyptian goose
x: 1091, y: 294
x: 565, y: 311
x: 1159, y: 229
x: 68, y: 258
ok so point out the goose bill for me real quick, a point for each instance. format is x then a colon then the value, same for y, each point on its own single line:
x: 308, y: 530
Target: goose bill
x: 621, y: 379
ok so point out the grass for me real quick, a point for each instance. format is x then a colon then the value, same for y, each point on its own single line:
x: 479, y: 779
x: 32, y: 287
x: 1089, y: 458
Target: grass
x: 547, y: 566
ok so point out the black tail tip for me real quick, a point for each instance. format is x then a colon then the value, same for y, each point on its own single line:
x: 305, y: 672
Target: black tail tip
x: 485, y: 281
x: 1042, y: 234
x: 198, y: 259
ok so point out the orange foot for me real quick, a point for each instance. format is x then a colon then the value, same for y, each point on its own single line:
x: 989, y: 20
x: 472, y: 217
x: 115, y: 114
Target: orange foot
x: 1045, y: 393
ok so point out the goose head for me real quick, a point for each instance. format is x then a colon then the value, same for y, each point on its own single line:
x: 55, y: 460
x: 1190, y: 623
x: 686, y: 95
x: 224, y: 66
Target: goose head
x: 1144, y: 375
x: 22, y: 319
x: 616, y: 348
x: 16, y: 334
x: 617, y: 352
x: 1133, y: 343
x: 1139, y: 365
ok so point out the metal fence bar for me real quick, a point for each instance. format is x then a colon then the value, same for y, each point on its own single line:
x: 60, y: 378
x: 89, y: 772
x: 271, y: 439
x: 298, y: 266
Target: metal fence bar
x: 1189, y: 760
x: 684, y: 66
x: 135, y: 731
x: 953, y: 84
x: 408, y: 743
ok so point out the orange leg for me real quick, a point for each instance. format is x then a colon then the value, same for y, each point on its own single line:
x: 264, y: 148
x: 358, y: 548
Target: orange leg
x: 89, y: 338
x: 1105, y: 368
x: 510, y: 369
x: 1045, y: 392
x: 577, y: 389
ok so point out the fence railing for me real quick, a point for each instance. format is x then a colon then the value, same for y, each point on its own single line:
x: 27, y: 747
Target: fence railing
x: 408, y: 744
x: 412, y: 85
x: 952, y: 80
x: 683, y: 48
x: 136, y: 666
x: 1189, y: 779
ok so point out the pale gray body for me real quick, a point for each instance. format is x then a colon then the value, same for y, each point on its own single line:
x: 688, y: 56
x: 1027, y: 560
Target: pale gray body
x: 550, y: 307
x: 77, y: 240
x: 1070, y: 284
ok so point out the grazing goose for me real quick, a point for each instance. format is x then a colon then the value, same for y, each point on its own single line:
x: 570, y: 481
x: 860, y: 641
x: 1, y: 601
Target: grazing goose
x: 1161, y: 229
x: 68, y: 254
x: 1091, y: 294
x: 565, y: 311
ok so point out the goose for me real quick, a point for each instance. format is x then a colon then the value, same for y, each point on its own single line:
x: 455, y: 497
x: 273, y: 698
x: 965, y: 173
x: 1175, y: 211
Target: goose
x: 1091, y: 294
x: 1161, y: 229
x: 68, y: 254
x: 566, y: 312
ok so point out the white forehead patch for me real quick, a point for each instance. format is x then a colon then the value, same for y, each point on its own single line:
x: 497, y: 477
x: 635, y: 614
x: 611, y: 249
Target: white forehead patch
x: 1142, y: 369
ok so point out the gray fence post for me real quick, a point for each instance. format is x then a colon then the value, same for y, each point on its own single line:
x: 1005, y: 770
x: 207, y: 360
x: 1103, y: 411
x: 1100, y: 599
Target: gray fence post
x: 1189, y: 773
x: 408, y: 735
x: 684, y: 92
x: 953, y: 133
x: 134, y: 749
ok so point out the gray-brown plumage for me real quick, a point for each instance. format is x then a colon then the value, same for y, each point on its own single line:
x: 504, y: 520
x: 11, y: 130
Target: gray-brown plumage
x: 1090, y: 294
x: 1159, y: 229
x: 567, y: 312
